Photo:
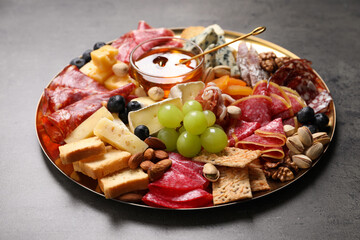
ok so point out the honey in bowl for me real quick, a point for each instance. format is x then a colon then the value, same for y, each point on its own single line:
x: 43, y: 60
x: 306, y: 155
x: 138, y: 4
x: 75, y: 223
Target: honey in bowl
x: 161, y: 64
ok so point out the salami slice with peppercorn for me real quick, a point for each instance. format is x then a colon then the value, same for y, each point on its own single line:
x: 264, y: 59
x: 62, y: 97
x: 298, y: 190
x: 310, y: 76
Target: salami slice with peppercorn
x: 240, y: 130
x: 321, y: 102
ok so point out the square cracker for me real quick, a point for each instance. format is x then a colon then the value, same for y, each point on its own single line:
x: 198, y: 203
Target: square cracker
x: 232, y: 185
x: 230, y: 157
x: 258, y: 180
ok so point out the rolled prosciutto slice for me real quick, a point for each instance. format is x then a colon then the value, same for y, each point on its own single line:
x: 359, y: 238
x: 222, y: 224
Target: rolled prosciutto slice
x: 61, y: 123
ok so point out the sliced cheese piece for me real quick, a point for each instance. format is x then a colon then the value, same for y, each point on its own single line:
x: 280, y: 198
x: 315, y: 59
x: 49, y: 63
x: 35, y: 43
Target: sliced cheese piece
x: 148, y: 116
x: 85, y: 129
x: 118, y: 121
x: 144, y: 101
x: 119, y: 136
x: 82, y: 149
x: 186, y: 91
x: 124, y: 181
x: 100, y: 166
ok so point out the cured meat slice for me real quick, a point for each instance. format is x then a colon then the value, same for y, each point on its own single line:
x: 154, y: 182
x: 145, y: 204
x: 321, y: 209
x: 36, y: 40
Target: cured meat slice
x: 273, y: 130
x: 291, y: 121
x: 261, y: 88
x: 71, y: 77
x: 255, y: 108
x: 187, y: 162
x: 240, y: 130
x: 127, y: 42
x: 321, y: 102
x: 296, y: 102
x: 278, y: 105
x: 60, y: 123
x: 191, y: 199
x: 188, y: 170
x: 298, y: 75
x: 259, y: 141
x: 62, y: 96
x: 248, y: 61
x: 269, y: 153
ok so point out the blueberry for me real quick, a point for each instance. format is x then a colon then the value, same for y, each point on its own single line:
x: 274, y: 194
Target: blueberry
x: 87, y: 55
x: 116, y: 104
x: 79, y: 62
x: 124, y: 116
x: 305, y: 115
x: 321, y: 120
x: 133, y: 106
x: 313, y: 129
x: 142, y: 132
x: 99, y: 45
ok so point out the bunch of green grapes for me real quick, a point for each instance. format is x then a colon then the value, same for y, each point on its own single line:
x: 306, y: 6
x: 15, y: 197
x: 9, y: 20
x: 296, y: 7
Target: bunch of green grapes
x: 197, y: 129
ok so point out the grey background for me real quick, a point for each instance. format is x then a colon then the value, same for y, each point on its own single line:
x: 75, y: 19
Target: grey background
x: 38, y: 38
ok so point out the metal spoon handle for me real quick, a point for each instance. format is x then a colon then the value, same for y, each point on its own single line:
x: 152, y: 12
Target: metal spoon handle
x: 254, y: 32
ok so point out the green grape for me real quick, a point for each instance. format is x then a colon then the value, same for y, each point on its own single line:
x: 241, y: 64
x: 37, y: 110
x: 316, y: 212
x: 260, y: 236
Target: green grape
x: 170, y: 116
x: 195, y: 122
x: 214, y: 139
x: 210, y: 117
x: 169, y: 136
x: 191, y: 105
x: 188, y: 145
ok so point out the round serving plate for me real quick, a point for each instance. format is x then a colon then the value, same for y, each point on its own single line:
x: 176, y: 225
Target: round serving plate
x: 51, y: 150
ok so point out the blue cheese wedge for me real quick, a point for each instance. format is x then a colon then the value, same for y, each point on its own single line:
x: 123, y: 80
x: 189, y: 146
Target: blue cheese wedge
x: 203, y: 40
x: 186, y: 91
x: 148, y: 116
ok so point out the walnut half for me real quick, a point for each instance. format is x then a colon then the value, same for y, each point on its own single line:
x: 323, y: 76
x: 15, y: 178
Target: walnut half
x: 283, y: 174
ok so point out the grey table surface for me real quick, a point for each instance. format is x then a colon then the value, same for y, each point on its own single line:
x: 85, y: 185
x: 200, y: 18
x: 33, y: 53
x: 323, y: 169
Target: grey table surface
x: 39, y: 37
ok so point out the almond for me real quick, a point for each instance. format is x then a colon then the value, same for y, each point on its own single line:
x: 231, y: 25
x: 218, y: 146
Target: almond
x: 135, y: 160
x: 145, y: 165
x: 160, y: 154
x: 149, y: 154
x: 155, y: 143
x: 131, y: 197
x: 158, y: 169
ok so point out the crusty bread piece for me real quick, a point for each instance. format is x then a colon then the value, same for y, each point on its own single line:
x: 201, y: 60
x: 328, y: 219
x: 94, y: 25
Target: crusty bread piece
x: 124, y: 181
x: 82, y: 149
x: 100, y: 166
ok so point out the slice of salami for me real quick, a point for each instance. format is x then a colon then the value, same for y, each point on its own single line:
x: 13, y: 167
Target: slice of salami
x: 260, y: 141
x: 261, y: 88
x: 273, y: 130
x: 240, y: 130
x: 296, y: 102
x: 62, y: 96
x: 276, y: 89
x: 71, y: 77
x: 255, y: 108
x: 298, y: 75
x: 60, y: 123
x: 321, y: 102
x: 278, y: 105
x: 291, y: 121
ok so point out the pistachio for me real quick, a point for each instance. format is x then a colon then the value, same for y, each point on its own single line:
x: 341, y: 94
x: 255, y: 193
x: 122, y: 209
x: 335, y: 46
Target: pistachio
x: 294, y: 144
x: 210, y: 172
x: 221, y: 70
x: 208, y: 75
x: 234, y: 111
x: 289, y: 130
x: 321, y: 137
x: 305, y: 136
x: 302, y: 161
x: 314, y: 151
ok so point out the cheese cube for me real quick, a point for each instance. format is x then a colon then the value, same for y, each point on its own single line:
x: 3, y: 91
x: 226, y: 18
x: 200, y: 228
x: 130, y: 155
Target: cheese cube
x: 104, y: 57
x: 86, y: 128
x: 115, y: 82
x: 100, y: 166
x: 124, y: 181
x: 119, y: 136
x: 95, y: 73
x: 148, y: 116
x: 82, y: 149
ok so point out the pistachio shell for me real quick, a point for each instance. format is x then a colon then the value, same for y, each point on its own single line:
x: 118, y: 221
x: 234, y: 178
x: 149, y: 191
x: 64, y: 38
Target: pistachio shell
x: 315, y: 150
x: 302, y: 161
x: 321, y: 137
x: 210, y: 172
x: 221, y: 70
x: 305, y: 136
x: 289, y: 130
x: 208, y: 75
x: 294, y: 144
